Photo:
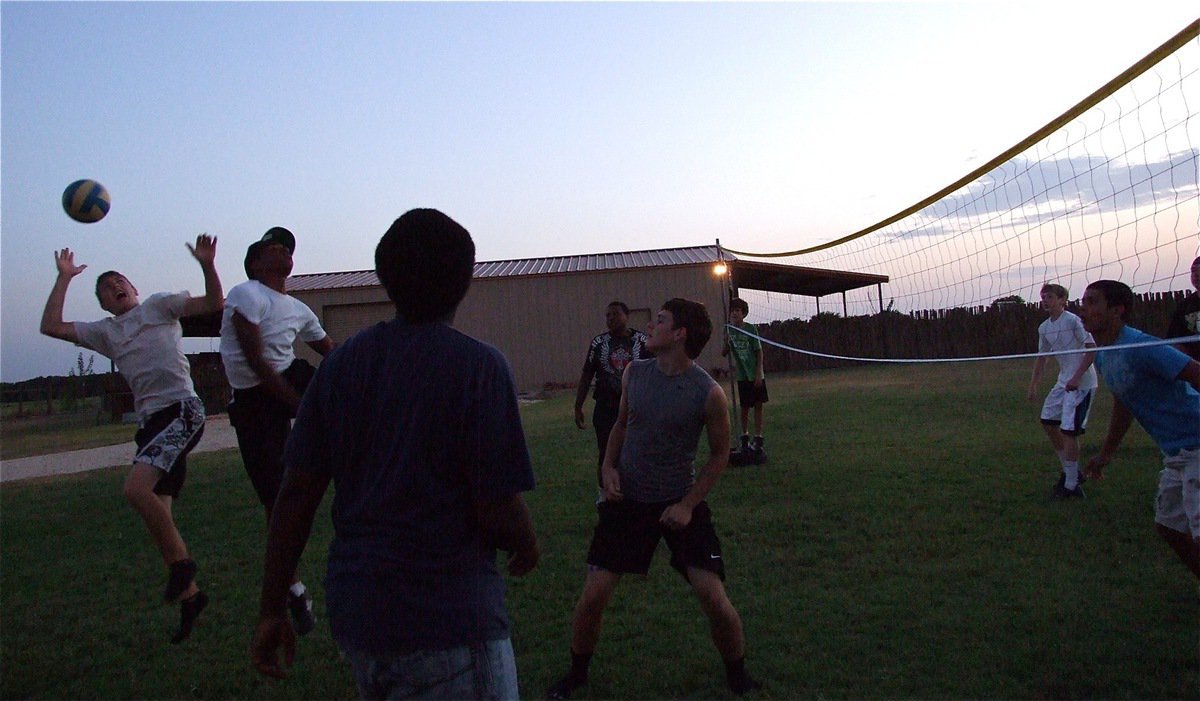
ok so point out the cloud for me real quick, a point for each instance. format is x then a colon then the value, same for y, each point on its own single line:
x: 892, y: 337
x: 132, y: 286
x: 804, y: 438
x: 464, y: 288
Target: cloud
x: 1025, y: 194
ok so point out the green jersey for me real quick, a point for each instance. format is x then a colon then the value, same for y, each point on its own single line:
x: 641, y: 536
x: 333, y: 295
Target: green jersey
x: 745, y: 351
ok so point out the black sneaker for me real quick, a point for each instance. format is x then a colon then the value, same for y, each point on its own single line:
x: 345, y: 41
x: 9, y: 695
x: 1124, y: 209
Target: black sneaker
x: 1061, y: 492
x: 743, y: 684
x: 563, y: 688
x: 302, y: 616
x: 181, y: 576
x: 744, y: 446
x: 189, y: 611
x: 757, y: 454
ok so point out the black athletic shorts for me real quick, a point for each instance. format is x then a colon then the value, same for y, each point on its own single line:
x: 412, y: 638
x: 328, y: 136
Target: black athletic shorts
x: 165, y: 439
x: 750, y: 395
x: 628, y: 533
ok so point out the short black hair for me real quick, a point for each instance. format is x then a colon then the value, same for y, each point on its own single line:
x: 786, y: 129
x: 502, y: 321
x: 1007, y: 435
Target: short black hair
x: 104, y: 276
x: 693, y: 316
x: 425, y: 261
x: 620, y: 305
x: 1115, y: 294
x: 739, y: 303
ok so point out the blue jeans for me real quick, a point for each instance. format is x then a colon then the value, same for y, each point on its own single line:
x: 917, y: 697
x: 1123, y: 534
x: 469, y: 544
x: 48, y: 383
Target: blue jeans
x: 478, y: 671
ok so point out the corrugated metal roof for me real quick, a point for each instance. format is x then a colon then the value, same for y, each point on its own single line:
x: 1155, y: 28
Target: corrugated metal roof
x: 655, y: 258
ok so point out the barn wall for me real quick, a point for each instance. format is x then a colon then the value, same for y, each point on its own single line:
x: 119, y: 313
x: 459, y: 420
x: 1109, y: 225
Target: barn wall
x: 541, y: 323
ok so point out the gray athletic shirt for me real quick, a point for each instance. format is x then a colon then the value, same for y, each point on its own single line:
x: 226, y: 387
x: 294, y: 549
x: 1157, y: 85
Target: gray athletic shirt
x: 666, y: 415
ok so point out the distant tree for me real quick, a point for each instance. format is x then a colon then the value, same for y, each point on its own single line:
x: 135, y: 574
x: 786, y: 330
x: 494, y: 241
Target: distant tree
x: 1011, y: 300
x: 76, y: 386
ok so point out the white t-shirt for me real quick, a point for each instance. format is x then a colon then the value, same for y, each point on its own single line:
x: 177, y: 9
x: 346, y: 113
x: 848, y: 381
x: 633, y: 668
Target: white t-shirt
x: 280, y: 319
x: 1067, y: 333
x: 146, y: 343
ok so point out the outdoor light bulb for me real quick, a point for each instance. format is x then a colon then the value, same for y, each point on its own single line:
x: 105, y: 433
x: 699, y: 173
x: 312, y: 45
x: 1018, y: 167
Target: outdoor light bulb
x: 719, y: 269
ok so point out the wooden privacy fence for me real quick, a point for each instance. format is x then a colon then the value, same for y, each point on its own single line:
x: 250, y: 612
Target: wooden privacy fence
x: 1000, y: 329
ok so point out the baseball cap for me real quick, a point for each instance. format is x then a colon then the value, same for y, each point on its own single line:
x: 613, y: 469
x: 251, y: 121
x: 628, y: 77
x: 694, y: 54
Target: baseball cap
x: 276, y: 234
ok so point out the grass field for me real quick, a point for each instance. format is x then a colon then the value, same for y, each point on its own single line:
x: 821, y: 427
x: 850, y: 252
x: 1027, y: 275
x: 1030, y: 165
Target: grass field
x: 38, y: 434
x: 900, y: 544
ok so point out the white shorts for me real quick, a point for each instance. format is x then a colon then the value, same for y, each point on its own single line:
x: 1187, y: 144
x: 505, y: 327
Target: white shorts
x: 1177, y: 505
x: 1067, y: 410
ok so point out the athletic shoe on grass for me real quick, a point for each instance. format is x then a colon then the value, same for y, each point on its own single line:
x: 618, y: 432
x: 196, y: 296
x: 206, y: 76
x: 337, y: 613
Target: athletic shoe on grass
x: 189, y: 611
x: 302, y: 615
x: 181, y: 576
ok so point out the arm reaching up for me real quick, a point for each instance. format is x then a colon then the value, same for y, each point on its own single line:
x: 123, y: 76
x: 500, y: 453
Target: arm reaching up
x: 52, y: 316
x: 205, y: 252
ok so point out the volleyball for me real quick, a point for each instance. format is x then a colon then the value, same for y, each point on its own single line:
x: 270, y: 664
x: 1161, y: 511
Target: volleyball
x: 85, y: 201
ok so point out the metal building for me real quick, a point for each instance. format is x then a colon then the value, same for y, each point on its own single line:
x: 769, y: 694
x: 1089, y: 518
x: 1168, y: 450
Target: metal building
x: 542, y: 312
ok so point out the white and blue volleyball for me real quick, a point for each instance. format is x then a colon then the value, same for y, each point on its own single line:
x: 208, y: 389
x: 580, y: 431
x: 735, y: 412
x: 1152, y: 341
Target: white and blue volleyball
x: 85, y: 201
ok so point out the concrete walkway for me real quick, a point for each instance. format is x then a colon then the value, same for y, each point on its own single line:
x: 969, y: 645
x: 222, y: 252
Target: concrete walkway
x: 218, y: 435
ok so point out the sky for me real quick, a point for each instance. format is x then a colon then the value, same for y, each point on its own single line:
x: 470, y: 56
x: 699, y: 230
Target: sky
x: 545, y: 129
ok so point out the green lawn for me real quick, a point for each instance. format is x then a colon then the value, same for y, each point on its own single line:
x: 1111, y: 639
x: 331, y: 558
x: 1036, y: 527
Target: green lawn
x: 900, y: 544
x: 22, y: 435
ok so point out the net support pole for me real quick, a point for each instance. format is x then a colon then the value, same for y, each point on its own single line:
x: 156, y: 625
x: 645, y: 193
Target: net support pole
x: 883, y: 332
x: 726, y: 298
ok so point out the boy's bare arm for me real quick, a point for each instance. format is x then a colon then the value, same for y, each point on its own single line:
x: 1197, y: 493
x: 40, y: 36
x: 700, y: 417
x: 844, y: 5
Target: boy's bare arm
x: 250, y: 339
x: 1039, y: 366
x: 205, y: 252
x: 1084, y: 364
x: 52, y: 316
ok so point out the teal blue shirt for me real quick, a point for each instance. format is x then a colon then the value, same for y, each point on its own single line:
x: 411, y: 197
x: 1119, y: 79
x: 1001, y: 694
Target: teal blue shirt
x: 1146, y: 381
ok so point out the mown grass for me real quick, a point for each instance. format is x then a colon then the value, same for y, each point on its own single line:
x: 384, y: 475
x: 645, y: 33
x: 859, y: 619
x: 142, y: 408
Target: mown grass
x: 900, y: 544
x: 25, y: 434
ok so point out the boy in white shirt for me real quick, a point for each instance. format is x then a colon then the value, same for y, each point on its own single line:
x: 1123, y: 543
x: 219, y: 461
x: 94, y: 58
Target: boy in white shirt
x: 145, y: 341
x: 259, y: 326
x: 1065, y: 410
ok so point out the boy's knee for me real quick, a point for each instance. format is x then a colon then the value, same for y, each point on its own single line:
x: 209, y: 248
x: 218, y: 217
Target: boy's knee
x: 139, y: 484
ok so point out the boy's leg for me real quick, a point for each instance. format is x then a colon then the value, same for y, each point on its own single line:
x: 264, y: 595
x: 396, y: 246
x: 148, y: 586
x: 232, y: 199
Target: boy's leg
x: 587, y: 619
x: 725, y: 624
x: 745, y: 420
x: 1185, y: 547
x: 1070, y: 461
x: 1055, y: 436
x: 758, y: 419
x: 1177, y: 507
x: 155, y: 511
x: 586, y: 622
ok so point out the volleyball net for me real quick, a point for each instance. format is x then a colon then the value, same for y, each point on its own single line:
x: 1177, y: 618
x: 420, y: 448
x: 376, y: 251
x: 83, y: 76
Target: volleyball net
x: 1108, y: 190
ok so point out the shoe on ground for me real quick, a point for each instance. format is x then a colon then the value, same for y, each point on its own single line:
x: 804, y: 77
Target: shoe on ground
x: 181, y: 576
x: 1061, y: 492
x: 189, y: 611
x: 743, y: 684
x: 563, y: 688
x: 302, y: 616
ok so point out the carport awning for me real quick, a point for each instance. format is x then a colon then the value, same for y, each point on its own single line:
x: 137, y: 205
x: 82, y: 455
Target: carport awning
x: 796, y: 280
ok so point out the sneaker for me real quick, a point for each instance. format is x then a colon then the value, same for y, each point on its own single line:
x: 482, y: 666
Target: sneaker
x: 1061, y: 492
x: 743, y: 684
x: 302, y: 616
x: 744, y: 445
x: 563, y: 688
x: 181, y: 576
x: 756, y: 449
x: 189, y: 611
